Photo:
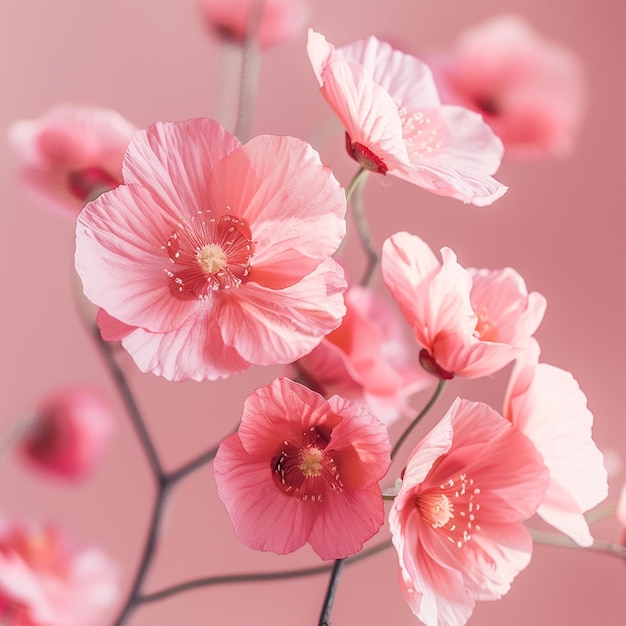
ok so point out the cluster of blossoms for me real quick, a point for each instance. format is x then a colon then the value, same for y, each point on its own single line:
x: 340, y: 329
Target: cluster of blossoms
x: 206, y: 257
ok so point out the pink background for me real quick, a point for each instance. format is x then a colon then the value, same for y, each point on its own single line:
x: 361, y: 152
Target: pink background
x: 561, y: 226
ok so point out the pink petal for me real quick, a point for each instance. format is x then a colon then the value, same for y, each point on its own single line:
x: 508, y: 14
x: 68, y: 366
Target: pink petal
x: 292, y: 202
x: 268, y: 327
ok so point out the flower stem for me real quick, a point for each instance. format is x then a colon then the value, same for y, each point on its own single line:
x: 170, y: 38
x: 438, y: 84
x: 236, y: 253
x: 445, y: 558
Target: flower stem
x: 333, y: 584
x: 250, y: 69
x: 257, y: 576
x: 354, y: 193
x: 562, y: 541
x: 438, y: 391
x: 16, y: 431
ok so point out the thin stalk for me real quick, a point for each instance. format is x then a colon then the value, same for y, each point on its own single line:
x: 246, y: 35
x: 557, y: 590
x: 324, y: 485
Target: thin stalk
x: 562, y: 541
x: 333, y: 585
x: 250, y: 70
x: 257, y: 577
x: 438, y: 391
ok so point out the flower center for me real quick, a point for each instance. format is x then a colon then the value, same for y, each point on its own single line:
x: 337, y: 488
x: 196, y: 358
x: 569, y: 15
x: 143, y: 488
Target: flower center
x: 419, y: 132
x: 452, y: 508
x: 365, y: 157
x: 208, y: 254
x: 485, y: 329
x: 304, y: 470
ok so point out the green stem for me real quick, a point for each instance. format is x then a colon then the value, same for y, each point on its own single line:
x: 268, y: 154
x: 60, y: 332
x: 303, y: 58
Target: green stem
x: 258, y: 576
x: 438, y: 391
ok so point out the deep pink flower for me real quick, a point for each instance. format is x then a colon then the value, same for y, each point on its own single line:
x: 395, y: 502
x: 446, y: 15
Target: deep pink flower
x: 71, y: 154
x: 528, y: 89
x: 469, y: 323
x: 73, y: 426
x: 457, y: 519
x: 549, y: 407
x: 214, y: 256
x: 45, y: 580
x: 366, y: 359
x: 303, y: 470
x: 395, y: 123
x: 278, y: 21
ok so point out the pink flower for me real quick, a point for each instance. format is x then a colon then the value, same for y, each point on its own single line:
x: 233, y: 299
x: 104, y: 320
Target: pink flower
x: 73, y: 426
x: 303, y: 470
x: 470, y: 323
x: 547, y: 405
x: 528, y: 89
x: 278, y: 20
x: 395, y: 123
x: 214, y: 256
x: 366, y: 359
x: 457, y: 519
x: 45, y: 580
x: 71, y: 154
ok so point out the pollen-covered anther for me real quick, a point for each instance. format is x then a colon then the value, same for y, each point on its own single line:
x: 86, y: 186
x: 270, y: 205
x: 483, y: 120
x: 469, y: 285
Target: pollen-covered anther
x: 311, y: 461
x: 208, y: 254
x: 451, y: 507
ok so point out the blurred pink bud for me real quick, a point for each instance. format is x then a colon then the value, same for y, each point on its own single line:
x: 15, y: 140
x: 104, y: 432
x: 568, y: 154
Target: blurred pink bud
x: 278, y: 20
x: 366, y: 359
x: 73, y: 426
x: 528, y: 89
x: 45, y: 580
x: 71, y: 155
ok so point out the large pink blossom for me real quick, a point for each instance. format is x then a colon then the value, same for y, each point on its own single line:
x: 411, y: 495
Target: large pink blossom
x: 278, y: 20
x: 71, y: 154
x: 366, y: 359
x: 72, y: 427
x: 214, y: 256
x: 456, y: 521
x: 46, y: 580
x: 548, y: 406
x: 303, y: 470
x: 469, y: 323
x: 396, y: 124
x: 528, y: 89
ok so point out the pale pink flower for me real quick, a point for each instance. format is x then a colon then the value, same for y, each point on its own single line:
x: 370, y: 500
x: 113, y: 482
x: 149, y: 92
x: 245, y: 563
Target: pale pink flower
x: 469, y: 323
x: 548, y: 406
x: 529, y: 90
x: 457, y: 519
x: 303, y: 470
x: 366, y: 359
x: 71, y: 430
x: 396, y: 124
x: 214, y: 256
x: 71, y: 154
x: 45, y: 580
x: 278, y: 20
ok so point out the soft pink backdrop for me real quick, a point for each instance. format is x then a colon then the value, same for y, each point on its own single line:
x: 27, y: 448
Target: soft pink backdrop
x: 561, y: 225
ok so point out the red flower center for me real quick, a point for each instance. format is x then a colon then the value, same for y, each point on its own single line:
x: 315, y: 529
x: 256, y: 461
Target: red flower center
x: 304, y: 470
x: 452, y: 508
x: 87, y: 184
x: 208, y: 254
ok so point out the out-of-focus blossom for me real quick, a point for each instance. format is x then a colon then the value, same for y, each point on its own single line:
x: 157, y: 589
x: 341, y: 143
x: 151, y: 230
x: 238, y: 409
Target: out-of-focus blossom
x: 71, y: 154
x: 214, y: 256
x: 71, y: 430
x: 395, y: 123
x: 45, y: 580
x: 549, y: 407
x: 269, y: 22
x: 457, y: 519
x: 528, y: 89
x: 470, y: 323
x: 303, y: 470
x: 366, y: 359
x: 621, y: 509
